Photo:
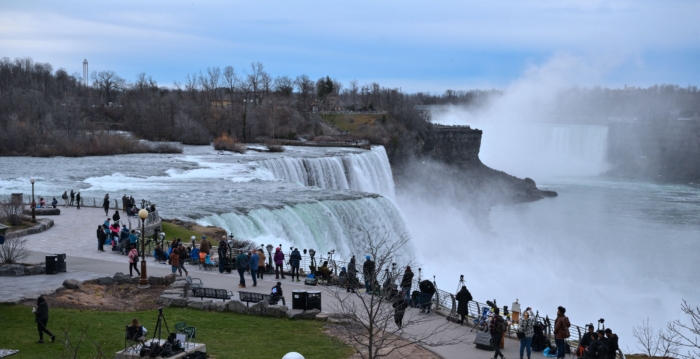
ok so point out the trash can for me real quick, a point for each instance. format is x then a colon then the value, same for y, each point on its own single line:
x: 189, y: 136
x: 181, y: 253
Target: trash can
x: 299, y: 299
x: 313, y: 299
x: 51, y: 265
x: 61, y: 263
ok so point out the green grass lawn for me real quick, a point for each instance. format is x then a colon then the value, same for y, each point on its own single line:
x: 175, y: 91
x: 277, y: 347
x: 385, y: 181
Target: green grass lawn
x: 227, y: 335
x: 175, y: 231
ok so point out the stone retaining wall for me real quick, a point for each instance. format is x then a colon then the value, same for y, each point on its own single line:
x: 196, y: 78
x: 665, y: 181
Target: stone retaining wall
x: 18, y: 270
x: 42, y: 224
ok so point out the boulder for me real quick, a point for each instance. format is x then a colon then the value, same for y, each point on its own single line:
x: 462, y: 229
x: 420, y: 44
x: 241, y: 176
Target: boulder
x: 12, y: 270
x: 310, y: 314
x: 294, y: 313
x: 322, y: 317
x: 153, y: 280
x: 105, y: 281
x: 72, y: 284
x: 169, y: 279
x: 165, y: 300
x: 34, y: 270
x: 259, y: 308
x: 178, y: 302
x: 122, y: 278
x: 236, y: 306
x: 198, y: 304
x: 178, y: 292
x: 218, y: 306
x: 276, y: 311
x: 179, y: 284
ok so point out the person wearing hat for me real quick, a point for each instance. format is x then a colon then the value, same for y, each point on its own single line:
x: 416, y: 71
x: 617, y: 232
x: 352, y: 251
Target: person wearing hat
x: 368, y: 272
x: 276, y: 293
x: 279, y: 262
x: 295, y: 262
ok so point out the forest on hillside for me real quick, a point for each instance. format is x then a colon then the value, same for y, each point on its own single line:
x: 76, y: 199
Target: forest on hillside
x: 47, y: 112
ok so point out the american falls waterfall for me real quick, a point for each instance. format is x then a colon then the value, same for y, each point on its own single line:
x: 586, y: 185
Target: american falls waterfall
x: 322, y: 225
x: 368, y: 171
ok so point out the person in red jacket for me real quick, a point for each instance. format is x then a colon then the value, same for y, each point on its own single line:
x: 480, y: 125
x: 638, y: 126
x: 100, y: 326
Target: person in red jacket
x: 561, y: 331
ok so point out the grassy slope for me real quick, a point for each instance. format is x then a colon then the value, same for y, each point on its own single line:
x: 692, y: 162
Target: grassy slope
x: 174, y: 231
x: 227, y: 335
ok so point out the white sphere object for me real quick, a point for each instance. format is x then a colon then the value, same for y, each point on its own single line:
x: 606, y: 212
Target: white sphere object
x: 293, y: 355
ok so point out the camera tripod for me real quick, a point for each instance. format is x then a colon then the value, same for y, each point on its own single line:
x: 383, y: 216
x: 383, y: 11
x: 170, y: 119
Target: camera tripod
x: 159, y: 326
x: 461, y: 283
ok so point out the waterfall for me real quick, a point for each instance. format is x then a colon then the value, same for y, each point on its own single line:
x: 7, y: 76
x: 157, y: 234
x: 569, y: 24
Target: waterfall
x: 323, y: 225
x: 545, y: 150
x: 367, y: 171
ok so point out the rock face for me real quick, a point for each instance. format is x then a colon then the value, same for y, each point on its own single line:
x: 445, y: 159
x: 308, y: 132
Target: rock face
x: 237, y: 306
x: 12, y: 270
x: 444, y: 162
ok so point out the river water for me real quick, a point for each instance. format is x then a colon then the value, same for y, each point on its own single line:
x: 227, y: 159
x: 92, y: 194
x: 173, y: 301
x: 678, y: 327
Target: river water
x: 619, y: 250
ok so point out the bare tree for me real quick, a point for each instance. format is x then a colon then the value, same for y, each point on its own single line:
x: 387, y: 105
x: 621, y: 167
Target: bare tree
x: 654, y: 343
x: 684, y: 333
x: 108, y: 84
x: 13, y: 250
x: 11, y: 211
x: 369, y: 317
x: 71, y: 347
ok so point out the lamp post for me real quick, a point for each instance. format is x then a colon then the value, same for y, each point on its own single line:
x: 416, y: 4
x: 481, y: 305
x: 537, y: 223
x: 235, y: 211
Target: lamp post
x: 33, y: 205
x: 143, y: 282
x: 269, y: 255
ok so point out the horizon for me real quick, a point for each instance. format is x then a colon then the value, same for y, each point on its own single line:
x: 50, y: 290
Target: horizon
x: 418, y: 48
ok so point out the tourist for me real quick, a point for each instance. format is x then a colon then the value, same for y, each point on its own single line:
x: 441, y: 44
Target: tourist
x: 223, y: 248
x: 204, y: 249
x: 254, y: 263
x: 175, y: 261
x: 116, y: 217
x: 72, y: 197
x: 105, y: 204
x: 137, y: 332
x: 182, y: 255
x: 368, y: 273
x: 295, y: 262
x: 463, y: 297
x: 324, y: 271
x: 561, y: 331
x: 400, y: 305
x: 101, y: 238
x: 597, y: 349
x: 54, y: 202
x: 497, y: 326
x: 407, y: 283
x: 42, y: 202
x: 277, y: 293
x: 612, y: 343
x: 352, y: 275
x: 527, y: 326
x: 241, y: 264
x: 279, y: 262
x: 133, y: 259
x: 114, y: 229
x: 586, y: 339
x: 41, y: 313
x: 65, y: 198
x: 601, y: 336
x: 78, y: 199
x: 124, y: 203
x: 261, y: 263
x: 159, y: 253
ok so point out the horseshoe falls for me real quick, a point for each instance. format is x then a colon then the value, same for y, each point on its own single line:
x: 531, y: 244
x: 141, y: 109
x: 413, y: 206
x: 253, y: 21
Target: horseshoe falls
x: 367, y: 171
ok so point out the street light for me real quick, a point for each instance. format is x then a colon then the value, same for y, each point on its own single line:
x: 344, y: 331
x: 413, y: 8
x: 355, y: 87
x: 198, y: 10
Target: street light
x: 32, y: 180
x: 143, y: 282
x: 269, y: 254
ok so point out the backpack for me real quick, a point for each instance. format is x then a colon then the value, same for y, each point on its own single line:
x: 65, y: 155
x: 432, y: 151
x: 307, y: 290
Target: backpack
x: 501, y: 326
x: 602, y: 351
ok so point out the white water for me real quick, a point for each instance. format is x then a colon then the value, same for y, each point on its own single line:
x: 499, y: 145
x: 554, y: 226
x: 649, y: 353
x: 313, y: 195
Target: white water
x: 368, y: 171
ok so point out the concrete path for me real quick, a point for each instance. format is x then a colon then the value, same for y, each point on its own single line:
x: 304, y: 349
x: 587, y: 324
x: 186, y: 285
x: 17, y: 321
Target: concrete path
x: 74, y: 234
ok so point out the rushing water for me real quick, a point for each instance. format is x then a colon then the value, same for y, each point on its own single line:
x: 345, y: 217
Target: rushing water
x: 619, y: 250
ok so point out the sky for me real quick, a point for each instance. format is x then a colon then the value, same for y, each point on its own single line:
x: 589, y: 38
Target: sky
x: 427, y: 46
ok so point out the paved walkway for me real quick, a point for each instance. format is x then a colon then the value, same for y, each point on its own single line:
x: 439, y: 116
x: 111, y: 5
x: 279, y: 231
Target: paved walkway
x: 74, y: 234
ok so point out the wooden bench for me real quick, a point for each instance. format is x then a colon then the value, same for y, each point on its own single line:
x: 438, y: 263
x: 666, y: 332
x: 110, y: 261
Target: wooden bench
x: 202, y: 293
x: 250, y: 297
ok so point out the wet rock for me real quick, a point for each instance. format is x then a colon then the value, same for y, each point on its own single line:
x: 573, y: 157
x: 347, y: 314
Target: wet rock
x: 72, y: 284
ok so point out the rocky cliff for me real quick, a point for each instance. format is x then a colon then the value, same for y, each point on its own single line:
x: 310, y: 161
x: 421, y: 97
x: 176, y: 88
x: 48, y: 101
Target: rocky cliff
x: 444, y: 161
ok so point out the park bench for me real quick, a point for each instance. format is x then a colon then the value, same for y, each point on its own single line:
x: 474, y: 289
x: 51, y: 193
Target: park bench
x: 250, y: 297
x: 202, y: 293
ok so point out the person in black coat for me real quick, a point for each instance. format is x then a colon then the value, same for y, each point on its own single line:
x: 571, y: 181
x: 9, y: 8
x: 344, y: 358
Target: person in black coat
x: 116, y: 217
x: 352, y: 275
x: 42, y: 318
x: 407, y: 283
x: 463, y: 297
x: 105, y: 204
x: 101, y: 238
x: 368, y: 272
x: 597, y: 349
x: 400, y: 306
x: 612, y: 343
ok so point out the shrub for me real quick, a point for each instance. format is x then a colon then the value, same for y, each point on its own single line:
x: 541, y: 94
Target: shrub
x: 166, y: 147
x: 227, y: 143
x: 14, y: 250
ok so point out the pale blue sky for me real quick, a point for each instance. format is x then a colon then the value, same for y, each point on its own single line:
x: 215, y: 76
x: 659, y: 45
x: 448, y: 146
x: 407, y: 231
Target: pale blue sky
x: 415, y: 45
